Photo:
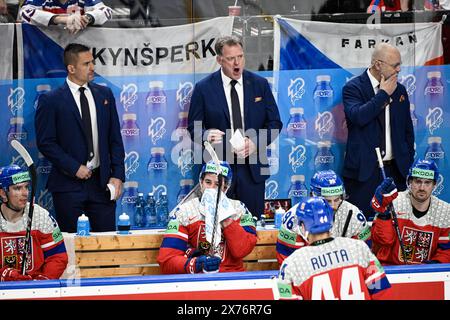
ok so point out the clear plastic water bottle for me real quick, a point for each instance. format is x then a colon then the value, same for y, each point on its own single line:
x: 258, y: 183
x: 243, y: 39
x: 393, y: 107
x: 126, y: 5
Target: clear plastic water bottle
x: 296, y: 127
x: 150, y: 211
x: 156, y: 97
x: 324, y: 158
x: 130, y: 131
x: 412, y: 111
x: 162, y: 210
x: 16, y: 130
x: 435, y: 151
x: 40, y: 89
x: 279, y: 212
x: 123, y: 226
x: 83, y: 225
x: 129, y: 198
x: 157, y: 165
x: 323, y: 93
x: 298, y: 190
x: 186, y: 186
x: 139, y: 215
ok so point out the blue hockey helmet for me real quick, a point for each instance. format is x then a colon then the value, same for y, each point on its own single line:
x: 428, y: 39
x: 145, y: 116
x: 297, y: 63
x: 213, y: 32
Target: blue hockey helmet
x: 326, y: 184
x: 316, y: 214
x: 424, y: 169
x: 225, y: 170
x: 11, y: 175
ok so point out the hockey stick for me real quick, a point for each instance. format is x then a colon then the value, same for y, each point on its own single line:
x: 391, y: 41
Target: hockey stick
x: 391, y: 209
x: 32, y: 169
x: 347, y: 221
x: 216, y: 161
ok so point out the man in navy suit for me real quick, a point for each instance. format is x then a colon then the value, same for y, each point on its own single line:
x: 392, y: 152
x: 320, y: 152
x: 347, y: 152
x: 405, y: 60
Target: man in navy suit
x: 78, y: 130
x: 256, y: 116
x: 377, y: 113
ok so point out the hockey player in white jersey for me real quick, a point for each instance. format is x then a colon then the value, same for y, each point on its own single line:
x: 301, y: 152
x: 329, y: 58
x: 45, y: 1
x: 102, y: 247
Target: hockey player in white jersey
x: 75, y: 15
x: 348, y: 220
x: 329, y: 268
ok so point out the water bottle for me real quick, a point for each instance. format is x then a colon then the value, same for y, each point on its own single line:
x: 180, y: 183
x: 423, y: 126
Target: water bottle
x: 156, y: 97
x: 83, y: 225
x: 323, y: 93
x: 181, y: 131
x: 130, y: 131
x: 296, y: 127
x: 157, y: 165
x: 123, y: 227
x: 434, y: 100
x: 139, y: 216
x: 186, y: 186
x: 324, y: 158
x: 279, y: 212
x: 298, y: 190
x: 16, y: 130
x: 435, y: 151
x: 150, y: 211
x: 129, y: 198
x: 162, y: 210
x: 412, y: 111
x: 40, y: 89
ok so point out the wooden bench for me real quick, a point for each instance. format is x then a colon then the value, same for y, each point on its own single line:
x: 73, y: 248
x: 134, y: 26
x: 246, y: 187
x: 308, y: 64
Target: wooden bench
x: 135, y: 254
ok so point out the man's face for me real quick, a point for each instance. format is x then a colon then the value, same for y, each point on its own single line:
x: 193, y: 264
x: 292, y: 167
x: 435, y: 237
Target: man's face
x: 390, y: 64
x: 210, y: 181
x: 421, y: 189
x: 232, y: 61
x: 83, y: 70
x: 17, y: 195
x: 334, y: 202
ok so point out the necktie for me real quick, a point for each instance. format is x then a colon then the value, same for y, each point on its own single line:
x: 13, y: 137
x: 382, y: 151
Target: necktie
x: 86, y: 117
x: 235, y: 108
x: 382, y: 119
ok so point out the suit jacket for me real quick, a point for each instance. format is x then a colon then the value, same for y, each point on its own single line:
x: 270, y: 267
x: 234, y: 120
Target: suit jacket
x: 209, y: 105
x: 361, y: 108
x: 61, y: 139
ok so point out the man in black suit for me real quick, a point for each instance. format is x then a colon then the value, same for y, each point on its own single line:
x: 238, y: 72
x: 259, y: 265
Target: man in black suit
x: 78, y: 130
x: 377, y: 112
x: 212, y: 118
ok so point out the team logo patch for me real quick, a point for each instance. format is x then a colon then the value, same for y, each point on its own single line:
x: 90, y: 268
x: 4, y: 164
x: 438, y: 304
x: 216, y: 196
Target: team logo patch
x: 12, y: 252
x: 417, y: 245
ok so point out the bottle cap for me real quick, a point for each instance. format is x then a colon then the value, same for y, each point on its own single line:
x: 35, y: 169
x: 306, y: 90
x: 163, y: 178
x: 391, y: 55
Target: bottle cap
x: 323, y: 144
x: 434, y: 140
x: 130, y: 184
x: 140, y: 194
x: 129, y: 116
x: 43, y: 87
x: 150, y: 194
x: 298, y: 177
x: 156, y: 84
x: 182, y: 115
x: 433, y: 74
x: 83, y: 217
x: 296, y: 110
x: 323, y: 77
x: 156, y: 150
x: 186, y: 182
x: 124, y: 216
x: 17, y: 120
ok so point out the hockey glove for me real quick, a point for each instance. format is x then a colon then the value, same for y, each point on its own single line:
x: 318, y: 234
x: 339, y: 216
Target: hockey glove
x: 202, y: 264
x: 385, y: 193
x: 11, y: 274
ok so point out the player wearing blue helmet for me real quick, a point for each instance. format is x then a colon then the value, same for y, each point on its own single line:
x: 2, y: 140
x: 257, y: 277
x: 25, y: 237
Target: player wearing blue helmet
x: 329, y: 268
x: 423, y: 219
x: 348, y: 219
x: 48, y: 257
x: 185, y: 249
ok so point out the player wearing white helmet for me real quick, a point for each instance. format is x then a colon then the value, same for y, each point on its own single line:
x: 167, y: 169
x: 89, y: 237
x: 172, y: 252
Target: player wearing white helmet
x: 348, y: 219
x: 184, y: 248
x: 48, y: 257
x: 423, y: 219
x: 329, y: 268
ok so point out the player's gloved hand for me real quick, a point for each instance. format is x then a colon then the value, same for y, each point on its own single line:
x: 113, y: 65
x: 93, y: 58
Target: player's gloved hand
x: 202, y: 264
x: 74, y: 23
x: 385, y: 193
x: 39, y: 276
x: 11, y: 274
x: 192, y: 253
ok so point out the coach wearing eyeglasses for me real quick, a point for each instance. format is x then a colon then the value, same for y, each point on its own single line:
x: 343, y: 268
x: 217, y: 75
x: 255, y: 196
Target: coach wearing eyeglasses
x: 377, y: 113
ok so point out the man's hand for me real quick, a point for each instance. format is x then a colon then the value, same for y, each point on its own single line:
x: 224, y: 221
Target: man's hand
x: 248, y: 149
x: 385, y: 193
x: 83, y: 172
x: 11, y: 274
x: 75, y: 22
x: 214, y: 136
x: 389, y: 85
x: 117, y: 183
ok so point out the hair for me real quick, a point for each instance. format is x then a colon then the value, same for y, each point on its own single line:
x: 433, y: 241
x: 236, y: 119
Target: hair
x: 227, y: 41
x: 71, y: 52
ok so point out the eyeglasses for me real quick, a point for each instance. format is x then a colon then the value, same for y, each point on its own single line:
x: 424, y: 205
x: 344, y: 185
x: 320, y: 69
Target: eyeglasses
x: 236, y: 58
x: 394, y: 66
